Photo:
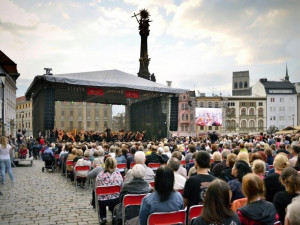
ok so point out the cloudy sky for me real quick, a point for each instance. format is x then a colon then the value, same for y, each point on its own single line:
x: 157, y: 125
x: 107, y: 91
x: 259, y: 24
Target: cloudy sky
x: 195, y: 43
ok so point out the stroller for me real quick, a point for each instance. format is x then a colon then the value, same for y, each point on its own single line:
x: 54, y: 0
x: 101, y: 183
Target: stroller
x: 49, y: 160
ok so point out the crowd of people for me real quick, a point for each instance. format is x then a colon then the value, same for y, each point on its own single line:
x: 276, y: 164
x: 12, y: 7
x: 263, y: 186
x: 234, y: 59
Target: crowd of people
x: 239, y: 179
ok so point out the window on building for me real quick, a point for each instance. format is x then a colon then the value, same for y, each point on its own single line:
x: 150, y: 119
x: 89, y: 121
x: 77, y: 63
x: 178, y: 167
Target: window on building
x: 182, y: 127
x: 182, y: 116
x: 80, y: 125
x: 232, y: 112
x: 243, y: 104
x: 62, y: 124
x: 272, y: 99
x: 105, y: 113
x: 209, y: 104
x: 71, y: 113
x: 62, y: 112
x: 243, y: 123
x: 251, y: 112
x: 192, y: 116
x: 216, y: 104
x: 96, y: 125
x: 186, y: 116
x: 182, y: 106
x: 186, y: 127
x: 251, y: 103
x: 232, y: 104
x: 71, y: 125
x: 281, y: 118
x: 281, y: 99
x: 105, y: 123
x: 271, y: 117
x: 201, y: 127
x: 210, y: 128
x: 260, y: 123
x: 243, y: 112
x: 186, y: 107
x: 245, y: 84
x: 260, y: 111
x: 241, y: 84
x: 251, y: 123
x: 184, y: 97
x: 88, y: 124
x: 260, y: 104
x: 235, y: 85
x: 274, y: 117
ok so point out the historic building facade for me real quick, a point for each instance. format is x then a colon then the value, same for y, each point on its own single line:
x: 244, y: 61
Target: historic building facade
x: 9, y: 74
x: 186, y: 115
x: 24, y: 115
x: 82, y: 116
x: 281, y: 99
x: 244, y: 115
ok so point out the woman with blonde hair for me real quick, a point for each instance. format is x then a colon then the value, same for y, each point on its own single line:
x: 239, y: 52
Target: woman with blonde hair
x: 272, y: 183
x: 243, y: 156
x: 110, y: 176
x: 259, y: 168
x: 5, y: 162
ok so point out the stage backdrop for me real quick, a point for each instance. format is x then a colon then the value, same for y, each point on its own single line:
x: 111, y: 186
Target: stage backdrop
x: 208, y: 117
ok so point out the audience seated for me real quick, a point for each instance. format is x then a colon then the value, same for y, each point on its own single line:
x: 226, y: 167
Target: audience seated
x: 179, y: 180
x: 136, y: 186
x: 182, y: 171
x: 196, y: 185
x: 216, y: 204
x: 259, y: 168
x: 272, y: 183
x: 85, y: 161
x: 257, y: 211
x: 97, y: 167
x: 108, y: 177
x: 119, y: 156
x: 140, y: 158
x: 293, y: 212
x: 226, y: 173
x: 164, y: 198
x: 239, y: 170
x: 291, y: 181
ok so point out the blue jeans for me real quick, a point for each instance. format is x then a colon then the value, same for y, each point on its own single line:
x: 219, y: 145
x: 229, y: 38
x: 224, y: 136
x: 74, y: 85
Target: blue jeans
x: 6, y: 163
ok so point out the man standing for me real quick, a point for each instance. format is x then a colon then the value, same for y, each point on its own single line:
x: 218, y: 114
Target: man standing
x: 195, y: 187
x: 20, y: 138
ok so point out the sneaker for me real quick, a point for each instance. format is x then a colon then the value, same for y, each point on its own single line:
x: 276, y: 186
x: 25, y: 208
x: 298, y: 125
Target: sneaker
x: 103, y: 221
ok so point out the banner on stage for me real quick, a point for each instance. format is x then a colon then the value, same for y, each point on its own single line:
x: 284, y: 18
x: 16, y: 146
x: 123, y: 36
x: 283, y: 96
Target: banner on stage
x: 95, y: 91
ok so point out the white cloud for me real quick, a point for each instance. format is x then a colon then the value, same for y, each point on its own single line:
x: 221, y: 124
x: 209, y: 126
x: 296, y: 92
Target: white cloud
x: 66, y: 16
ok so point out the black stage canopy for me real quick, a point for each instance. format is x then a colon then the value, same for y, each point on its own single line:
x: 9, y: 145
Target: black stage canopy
x: 107, y: 87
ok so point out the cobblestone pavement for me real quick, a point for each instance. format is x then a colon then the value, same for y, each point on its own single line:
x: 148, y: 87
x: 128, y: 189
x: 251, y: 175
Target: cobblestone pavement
x: 44, y: 198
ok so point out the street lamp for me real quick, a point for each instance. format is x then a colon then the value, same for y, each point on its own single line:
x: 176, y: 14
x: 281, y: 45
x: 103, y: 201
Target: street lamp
x: 3, y: 76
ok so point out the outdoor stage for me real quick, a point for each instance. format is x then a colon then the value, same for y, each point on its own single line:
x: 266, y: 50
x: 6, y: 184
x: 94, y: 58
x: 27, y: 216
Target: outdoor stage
x: 147, y: 103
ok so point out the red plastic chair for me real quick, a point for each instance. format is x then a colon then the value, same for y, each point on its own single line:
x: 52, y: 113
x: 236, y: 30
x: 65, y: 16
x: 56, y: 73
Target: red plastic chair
x: 183, y: 163
x: 132, y: 165
x: 131, y: 200
x: 80, y: 168
x: 166, y: 218
x: 154, y: 166
x: 121, y: 167
x: 211, y: 160
x: 180, y: 191
x: 271, y: 167
x: 152, y: 184
x: 194, y: 212
x: 105, y: 190
x: 68, y: 163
